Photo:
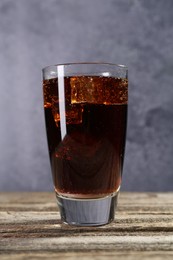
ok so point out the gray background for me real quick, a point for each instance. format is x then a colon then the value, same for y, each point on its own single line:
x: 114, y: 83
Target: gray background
x: 37, y: 33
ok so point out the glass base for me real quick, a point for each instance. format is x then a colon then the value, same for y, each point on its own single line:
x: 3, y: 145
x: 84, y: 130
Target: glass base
x: 87, y: 212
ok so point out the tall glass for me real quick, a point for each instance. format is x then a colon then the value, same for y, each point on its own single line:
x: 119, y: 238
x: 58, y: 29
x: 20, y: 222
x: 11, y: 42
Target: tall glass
x: 86, y: 112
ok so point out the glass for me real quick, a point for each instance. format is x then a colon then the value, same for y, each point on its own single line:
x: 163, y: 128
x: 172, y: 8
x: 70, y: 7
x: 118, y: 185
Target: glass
x: 85, y: 113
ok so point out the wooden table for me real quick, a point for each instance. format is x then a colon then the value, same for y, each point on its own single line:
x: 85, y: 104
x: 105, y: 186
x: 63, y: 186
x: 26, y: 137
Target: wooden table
x: 30, y: 228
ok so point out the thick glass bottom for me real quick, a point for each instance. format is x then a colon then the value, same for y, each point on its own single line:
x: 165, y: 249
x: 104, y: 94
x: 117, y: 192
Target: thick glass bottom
x: 87, y: 212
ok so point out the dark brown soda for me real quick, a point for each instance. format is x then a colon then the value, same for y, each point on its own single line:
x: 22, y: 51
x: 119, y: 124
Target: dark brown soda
x: 87, y: 160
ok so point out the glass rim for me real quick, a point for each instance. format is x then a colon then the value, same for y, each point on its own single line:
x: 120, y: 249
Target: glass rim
x: 87, y: 63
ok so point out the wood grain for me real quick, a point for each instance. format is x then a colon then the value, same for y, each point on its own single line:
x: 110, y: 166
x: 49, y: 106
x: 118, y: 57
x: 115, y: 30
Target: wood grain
x: 30, y: 227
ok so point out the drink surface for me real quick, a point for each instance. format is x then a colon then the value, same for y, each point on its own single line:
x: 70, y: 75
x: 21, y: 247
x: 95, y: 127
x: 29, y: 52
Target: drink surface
x: 86, y: 127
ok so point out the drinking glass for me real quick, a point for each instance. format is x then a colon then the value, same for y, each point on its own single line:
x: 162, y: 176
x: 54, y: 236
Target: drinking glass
x: 85, y: 113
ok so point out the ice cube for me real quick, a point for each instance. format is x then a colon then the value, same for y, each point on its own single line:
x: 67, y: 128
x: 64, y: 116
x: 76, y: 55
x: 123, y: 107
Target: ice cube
x: 73, y: 113
x: 86, y: 89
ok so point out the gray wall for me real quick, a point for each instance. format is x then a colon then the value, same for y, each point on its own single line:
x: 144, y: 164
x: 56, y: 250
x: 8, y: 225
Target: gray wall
x: 36, y: 33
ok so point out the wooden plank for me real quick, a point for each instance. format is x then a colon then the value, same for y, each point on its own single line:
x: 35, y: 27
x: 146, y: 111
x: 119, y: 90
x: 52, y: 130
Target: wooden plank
x: 160, y: 255
x: 86, y: 243
x: 51, y: 220
x: 31, y: 201
x: 130, y: 202
x: 30, y: 226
